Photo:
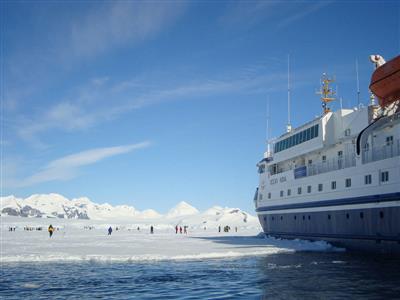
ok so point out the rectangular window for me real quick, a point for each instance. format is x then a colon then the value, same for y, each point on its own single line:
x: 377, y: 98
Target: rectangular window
x: 340, y: 153
x: 320, y: 187
x: 316, y: 129
x: 309, y: 189
x: 296, y: 138
x: 269, y: 195
x: 323, y: 158
x: 385, y: 176
x: 389, y: 140
x: 368, y: 179
x: 308, y: 134
x: 281, y: 193
x: 348, y: 182
x: 299, y: 190
x: 303, y: 136
x: 310, y: 161
x: 289, y: 192
x: 312, y: 132
x: 333, y: 185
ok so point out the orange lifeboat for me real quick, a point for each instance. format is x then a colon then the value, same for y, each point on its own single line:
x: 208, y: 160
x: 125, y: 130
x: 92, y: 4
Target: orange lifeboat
x: 385, y: 82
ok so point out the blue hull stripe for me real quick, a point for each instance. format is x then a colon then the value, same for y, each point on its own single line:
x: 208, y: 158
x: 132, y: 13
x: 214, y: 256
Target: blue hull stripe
x: 335, y: 202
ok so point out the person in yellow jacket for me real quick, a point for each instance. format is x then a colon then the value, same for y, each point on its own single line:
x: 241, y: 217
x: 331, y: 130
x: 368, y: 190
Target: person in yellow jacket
x: 50, y: 230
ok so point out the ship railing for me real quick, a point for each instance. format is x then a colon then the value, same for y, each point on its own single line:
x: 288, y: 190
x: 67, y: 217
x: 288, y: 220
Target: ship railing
x: 376, y: 153
x: 332, y: 164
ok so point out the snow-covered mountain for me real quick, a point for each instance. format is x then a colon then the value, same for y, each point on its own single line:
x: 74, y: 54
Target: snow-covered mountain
x: 57, y: 206
x: 182, y: 209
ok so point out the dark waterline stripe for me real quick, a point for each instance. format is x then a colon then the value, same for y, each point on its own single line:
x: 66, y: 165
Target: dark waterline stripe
x: 334, y: 236
x: 336, y: 202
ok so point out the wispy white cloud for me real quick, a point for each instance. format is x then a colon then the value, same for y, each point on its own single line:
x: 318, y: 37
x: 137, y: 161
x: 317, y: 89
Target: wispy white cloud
x: 248, y: 13
x: 95, y: 30
x: 121, y: 22
x: 102, y: 100
x: 280, y: 13
x: 305, y: 10
x: 67, y: 167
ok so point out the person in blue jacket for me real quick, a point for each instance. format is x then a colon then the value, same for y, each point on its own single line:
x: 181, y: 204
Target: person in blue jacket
x: 109, y: 230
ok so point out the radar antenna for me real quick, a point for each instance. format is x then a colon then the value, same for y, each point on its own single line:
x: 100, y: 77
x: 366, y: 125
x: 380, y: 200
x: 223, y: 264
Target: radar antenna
x: 326, y: 93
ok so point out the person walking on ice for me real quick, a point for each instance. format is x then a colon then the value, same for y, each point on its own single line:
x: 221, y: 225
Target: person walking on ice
x: 50, y: 230
x: 151, y: 229
x: 109, y: 230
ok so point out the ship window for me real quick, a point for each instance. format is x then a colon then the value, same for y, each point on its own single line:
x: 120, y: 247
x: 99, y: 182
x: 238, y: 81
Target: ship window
x: 347, y: 216
x: 323, y: 158
x: 309, y: 189
x: 309, y: 217
x: 316, y: 130
x: 348, y: 182
x: 389, y: 140
x: 289, y: 192
x: 320, y: 187
x: 295, y: 217
x: 368, y: 179
x: 273, y: 218
x: 340, y: 153
x: 361, y: 215
x: 329, y: 217
x: 347, y: 132
x: 299, y: 190
x: 333, y: 185
x: 281, y: 193
x: 310, y: 161
x: 281, y: 218
x: 381, y: 214
x: 385, y: 176
x: 261, y: 169
x: 269, y: 195
x: 296, y: 138
x: 265, y: 218
x: 304, y: 218
x: 308, y: 135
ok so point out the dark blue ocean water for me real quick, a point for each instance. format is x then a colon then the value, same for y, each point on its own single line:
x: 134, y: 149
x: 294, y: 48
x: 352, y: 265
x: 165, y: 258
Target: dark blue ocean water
x: 307, y: 275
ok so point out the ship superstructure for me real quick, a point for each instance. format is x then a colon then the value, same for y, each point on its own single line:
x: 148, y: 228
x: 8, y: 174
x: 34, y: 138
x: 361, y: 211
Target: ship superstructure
x: 337, y: 177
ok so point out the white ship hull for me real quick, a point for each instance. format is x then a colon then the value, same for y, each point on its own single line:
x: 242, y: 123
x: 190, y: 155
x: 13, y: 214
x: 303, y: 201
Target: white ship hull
x: 323, y: 189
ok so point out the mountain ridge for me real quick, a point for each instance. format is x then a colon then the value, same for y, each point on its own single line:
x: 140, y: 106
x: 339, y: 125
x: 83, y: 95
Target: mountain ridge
x: 57, y: 206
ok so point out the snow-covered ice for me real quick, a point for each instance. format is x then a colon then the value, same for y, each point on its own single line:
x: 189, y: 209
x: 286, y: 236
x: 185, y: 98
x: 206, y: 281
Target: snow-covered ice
x: 73, y: 241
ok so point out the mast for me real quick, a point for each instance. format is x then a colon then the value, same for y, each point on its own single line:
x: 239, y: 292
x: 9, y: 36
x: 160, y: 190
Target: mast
x: 288, y: 126
x: 326, y: 93
x: 268, y: 130
x: 358, y: 84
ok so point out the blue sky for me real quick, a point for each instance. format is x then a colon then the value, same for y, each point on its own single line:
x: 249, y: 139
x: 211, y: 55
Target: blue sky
x: 151, y: 103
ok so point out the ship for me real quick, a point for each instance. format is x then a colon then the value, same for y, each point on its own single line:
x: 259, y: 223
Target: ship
x: 337, y: 177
